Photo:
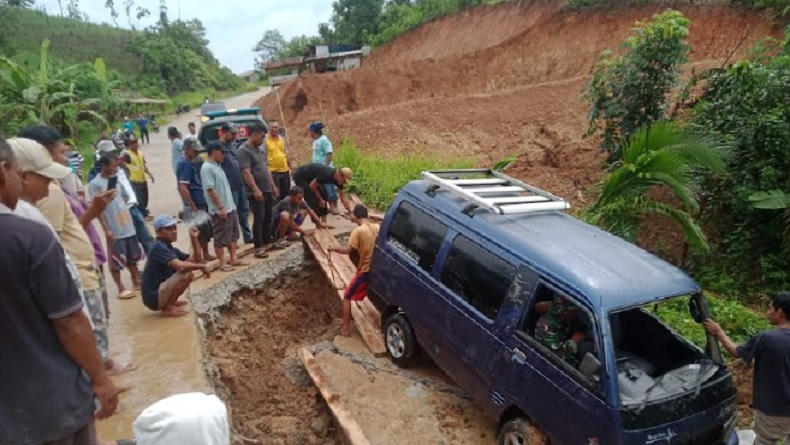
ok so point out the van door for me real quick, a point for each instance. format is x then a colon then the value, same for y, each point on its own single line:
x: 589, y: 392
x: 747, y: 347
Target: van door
x: 474, y: 284
x: 545, y: 382
x: 403, y: 270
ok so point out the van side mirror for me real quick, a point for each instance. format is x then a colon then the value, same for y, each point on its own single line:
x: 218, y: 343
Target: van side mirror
x: 591, y: 368
x: 695, y: 311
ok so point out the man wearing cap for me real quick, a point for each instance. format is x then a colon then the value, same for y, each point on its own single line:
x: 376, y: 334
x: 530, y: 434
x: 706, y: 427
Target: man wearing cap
x: 311, y: 177
x: 176, y: 146
x: 55, y: 371
x: 168, y: 271
x: 221, y: 207
x: 137, y: 171
x: 260, y: 188
x: 191, y: 190
x: 118, y: 226
x: 230, y: 165
x: 74, y: 228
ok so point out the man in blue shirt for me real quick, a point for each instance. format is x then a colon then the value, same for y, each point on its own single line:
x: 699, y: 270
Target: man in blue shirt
x: 168, y: 271
x: 142, y: 124
x: 230, y: 165
x: 191, y: 190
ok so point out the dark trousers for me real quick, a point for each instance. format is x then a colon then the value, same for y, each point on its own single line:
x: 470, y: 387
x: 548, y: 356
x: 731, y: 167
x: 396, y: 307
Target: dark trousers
x: 283, y: 183
x: 85, y: 436
x: 141, y: 191
x: 141, y: 230
x: 144, y: 136
x: 262, y: 219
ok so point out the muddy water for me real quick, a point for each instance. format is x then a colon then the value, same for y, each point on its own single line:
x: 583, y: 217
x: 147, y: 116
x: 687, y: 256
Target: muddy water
x: 167, y: 350
x: 253, y: 344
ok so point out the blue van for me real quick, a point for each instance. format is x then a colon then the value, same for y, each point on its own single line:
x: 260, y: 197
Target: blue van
x: 546, y: 320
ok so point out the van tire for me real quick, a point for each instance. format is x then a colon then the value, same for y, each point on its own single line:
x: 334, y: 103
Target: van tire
x: 400, y: 341
x: 520, y: 431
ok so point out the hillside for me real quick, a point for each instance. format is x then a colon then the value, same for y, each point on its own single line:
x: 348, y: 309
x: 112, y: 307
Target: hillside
x: 73, y: 41
x: 494, y: 81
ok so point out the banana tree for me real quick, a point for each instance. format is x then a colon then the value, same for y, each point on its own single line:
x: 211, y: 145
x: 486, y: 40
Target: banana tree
x: 662, y: 155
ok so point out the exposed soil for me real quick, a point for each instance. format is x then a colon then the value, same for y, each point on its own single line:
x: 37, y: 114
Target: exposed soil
x: 269, y: 395
x: 743, y: 381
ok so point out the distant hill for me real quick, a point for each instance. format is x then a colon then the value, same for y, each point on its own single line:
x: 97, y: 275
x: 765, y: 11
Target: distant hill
x: 73, y: 41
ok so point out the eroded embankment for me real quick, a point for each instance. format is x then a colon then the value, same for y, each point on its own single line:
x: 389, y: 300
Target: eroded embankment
x: 251, y: 339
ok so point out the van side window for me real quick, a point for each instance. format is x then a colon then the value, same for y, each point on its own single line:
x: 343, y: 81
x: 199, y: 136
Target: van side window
x: 561, y: 327
x: 476, y: 275
x: 417, y: 235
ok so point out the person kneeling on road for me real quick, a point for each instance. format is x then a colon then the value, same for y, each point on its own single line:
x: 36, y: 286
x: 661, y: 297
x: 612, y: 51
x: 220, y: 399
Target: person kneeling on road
x: 168, y: 272
x: 360, y: 248
x: 289, y: 214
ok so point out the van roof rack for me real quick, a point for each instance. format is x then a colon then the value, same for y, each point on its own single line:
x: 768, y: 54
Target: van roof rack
x: 493, y: 191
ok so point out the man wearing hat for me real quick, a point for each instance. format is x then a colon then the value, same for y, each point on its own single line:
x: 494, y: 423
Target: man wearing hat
x: 168, y: 271
x: 191, y: 190
x: 311, y: 177
x: 230, y: 165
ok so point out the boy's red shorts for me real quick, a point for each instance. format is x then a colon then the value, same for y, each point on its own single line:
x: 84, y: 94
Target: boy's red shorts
x: 357, y: 289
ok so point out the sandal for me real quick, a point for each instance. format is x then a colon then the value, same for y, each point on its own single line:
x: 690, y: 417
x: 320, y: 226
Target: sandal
x: 261, y: 253
x: 226, y: 268
x: 239, y: 263
x: 280, y: 245
x: 126, y: 295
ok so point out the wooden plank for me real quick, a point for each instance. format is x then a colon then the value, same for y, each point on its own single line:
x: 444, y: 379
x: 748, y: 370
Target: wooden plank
x: 347, y: 423
x: 340, y: 271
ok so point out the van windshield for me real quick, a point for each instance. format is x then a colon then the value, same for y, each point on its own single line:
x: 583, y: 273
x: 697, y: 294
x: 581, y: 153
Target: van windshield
x: 654, y: 362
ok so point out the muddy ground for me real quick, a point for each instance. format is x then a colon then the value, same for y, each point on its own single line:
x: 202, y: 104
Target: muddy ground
x: 253, y: 342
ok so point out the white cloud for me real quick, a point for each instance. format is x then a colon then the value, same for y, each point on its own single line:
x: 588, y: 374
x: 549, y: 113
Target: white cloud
x: 233, y: 27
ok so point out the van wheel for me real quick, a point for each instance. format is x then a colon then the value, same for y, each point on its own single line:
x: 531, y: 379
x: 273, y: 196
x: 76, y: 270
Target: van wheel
x: 399, y: 339
x: 520, y: 431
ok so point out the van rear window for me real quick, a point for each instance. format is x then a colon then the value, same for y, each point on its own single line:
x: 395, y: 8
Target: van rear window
x: 417, y: 235
x: 477, y: 276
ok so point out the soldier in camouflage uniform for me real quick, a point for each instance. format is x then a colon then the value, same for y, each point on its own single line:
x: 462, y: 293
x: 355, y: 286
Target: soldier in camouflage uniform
x: 552, y: 330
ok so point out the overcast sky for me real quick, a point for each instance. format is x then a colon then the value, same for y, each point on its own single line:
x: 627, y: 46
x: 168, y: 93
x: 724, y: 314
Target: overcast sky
x: 233, y: 26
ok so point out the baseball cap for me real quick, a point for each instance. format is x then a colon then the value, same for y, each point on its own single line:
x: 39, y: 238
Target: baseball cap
x: 33, y: 157
x: 106, y: 146
x: 192, y: 142
x: 162, y: 221
x: 346, y: 172
x: 229, y: 126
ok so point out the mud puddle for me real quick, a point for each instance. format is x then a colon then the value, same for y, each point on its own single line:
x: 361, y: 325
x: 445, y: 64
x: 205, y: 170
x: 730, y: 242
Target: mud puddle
x: 252, y: 343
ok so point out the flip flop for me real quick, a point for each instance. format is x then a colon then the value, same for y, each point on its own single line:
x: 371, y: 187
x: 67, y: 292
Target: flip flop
x: 261, y: 253
x: 226, y: 268
x: 126, y: 295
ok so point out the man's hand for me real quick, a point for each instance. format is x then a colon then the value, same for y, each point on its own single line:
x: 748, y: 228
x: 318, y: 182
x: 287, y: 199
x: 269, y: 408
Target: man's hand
x: 153, y: 181
x: 110, y: 239
x: 258, y: 195
x: 308, y: 233
x: 321, y: 225
x: 223, y: 214
x: 194, y: 232
x: 101, y: 200
x: 322, y: 203
x: 712, y: 327
x: 107, y: 394
x: 206, y: 271
x: 193, y: 207
x: 275, y: 191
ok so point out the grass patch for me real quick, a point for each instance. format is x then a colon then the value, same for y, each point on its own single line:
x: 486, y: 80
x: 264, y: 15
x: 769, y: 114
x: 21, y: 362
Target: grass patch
x: 377, y: 180
x: 739, y: 321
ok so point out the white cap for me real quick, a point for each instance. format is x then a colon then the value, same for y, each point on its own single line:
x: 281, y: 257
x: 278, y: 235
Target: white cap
x: 33, y: 157
x: 192, y: 418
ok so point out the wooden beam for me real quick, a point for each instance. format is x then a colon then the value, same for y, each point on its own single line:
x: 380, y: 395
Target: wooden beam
x: 347, y: 423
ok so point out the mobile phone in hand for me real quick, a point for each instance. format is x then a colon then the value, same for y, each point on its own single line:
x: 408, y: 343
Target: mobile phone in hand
x: 112, y: 182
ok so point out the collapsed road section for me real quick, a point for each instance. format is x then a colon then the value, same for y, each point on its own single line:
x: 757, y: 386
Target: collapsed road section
x: 254, y: 325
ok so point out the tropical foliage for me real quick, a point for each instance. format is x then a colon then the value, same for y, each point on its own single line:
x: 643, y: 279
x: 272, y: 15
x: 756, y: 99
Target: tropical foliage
x: 630, y: 90
x: 661, y: 155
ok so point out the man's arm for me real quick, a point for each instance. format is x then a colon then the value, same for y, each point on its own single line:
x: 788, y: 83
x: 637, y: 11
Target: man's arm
x: 183, y: 190
x: 215, y: 199
x: 315, y: 218
x: 145, y: 168
x: 107, y: 231
x: 315, y: 187
x: 345, y: 250
x: 329, y: 159
x: 197, y: 251
x: 246, y: 173
x: 713, y: 328
x: 344, y: 200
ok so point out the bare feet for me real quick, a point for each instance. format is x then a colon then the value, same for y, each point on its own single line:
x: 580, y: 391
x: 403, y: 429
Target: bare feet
x: 115, y: 368
x: 173, y: 312
x: 239, y: 263
x: 209, y: 257
x: 344, y: 331
x: 180, y: 303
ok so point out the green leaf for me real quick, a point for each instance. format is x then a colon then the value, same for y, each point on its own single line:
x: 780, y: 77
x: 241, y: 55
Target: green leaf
x: 501, y: 165
x: 770, y: 200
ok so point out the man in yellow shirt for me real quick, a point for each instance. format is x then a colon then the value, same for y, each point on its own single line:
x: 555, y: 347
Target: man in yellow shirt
x: 277, y: 155
x: 137, y: 171
x: 360, y: 247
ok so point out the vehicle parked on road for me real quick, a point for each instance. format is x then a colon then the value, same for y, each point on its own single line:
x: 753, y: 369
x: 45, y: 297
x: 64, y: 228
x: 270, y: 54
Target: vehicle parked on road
x: 210, y: 107
x: 546, y: 320
x: 244, y: 118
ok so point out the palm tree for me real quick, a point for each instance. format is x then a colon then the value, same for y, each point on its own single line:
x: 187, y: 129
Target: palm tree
x: 661, y: 155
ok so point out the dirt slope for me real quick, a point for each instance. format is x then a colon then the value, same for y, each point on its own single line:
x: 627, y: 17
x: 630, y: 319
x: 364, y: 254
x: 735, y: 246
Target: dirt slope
x: 494, y: 81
